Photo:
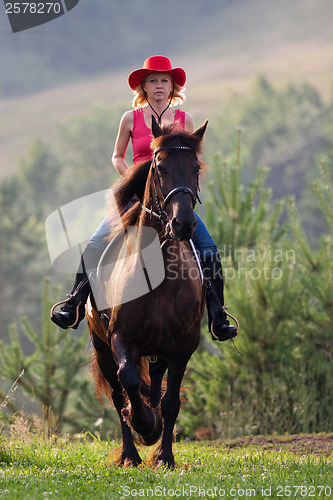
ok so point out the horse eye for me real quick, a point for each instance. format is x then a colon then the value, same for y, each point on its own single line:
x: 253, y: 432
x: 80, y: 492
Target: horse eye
x: 160, y: 168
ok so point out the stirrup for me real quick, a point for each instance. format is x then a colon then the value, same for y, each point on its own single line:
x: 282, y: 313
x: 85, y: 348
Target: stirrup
x: 215, y: 337
x: 224, y: 309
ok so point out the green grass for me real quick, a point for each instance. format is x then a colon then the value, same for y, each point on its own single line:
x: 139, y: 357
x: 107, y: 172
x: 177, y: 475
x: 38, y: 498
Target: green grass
x: 60, y: 468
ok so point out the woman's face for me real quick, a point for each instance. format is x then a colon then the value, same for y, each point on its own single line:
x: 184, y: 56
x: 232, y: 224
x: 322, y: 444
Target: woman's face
x: 158, y: 86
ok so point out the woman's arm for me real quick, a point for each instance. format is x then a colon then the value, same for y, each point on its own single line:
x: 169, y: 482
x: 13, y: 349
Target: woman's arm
x: 123, y: 137
x: 189, y: 125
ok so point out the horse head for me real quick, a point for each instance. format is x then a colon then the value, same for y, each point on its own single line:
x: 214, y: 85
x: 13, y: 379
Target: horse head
x: 175, y: 171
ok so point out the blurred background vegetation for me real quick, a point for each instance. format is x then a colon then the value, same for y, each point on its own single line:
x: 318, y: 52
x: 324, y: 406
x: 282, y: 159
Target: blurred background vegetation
x: 260, y: 71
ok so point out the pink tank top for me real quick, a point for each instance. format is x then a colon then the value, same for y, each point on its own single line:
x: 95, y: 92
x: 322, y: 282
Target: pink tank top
x: 141, y: 135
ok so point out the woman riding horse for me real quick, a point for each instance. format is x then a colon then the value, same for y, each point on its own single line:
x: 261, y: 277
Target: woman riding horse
x: 157, y: 87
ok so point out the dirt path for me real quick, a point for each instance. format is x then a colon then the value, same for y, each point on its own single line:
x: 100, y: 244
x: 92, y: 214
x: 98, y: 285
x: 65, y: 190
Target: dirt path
x: 320, y: 444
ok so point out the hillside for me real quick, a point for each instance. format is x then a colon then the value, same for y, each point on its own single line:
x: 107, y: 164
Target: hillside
x: 224, y: 53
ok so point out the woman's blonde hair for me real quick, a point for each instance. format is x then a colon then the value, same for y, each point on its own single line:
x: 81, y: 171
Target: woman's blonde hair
x: 140, y: 101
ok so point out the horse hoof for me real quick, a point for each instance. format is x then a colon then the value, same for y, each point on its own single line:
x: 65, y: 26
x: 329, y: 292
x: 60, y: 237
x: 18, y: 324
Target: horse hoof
x: 130, y: 459
x: 167, y: 461
x: 153, y: 436
x: 167, y: 464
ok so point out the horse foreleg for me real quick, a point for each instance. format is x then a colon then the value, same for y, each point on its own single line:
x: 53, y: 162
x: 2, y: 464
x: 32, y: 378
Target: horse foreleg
x: 157, y: 370
x: 140, y: 416
x: 129, y: 454
x: 108, y: 368
x: 170, y: 405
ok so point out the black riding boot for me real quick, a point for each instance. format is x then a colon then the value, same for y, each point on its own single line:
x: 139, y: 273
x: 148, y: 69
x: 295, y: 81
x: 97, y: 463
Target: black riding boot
x: 73, y: 310
x: 218, y: 324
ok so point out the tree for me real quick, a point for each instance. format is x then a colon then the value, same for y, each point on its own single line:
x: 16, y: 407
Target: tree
x: 38, y: 176
x: 25, y: 200
x: 315, y: 352
x: 235, y: 218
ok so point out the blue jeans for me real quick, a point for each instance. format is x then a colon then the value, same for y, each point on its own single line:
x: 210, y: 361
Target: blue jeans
x: 201, y: 238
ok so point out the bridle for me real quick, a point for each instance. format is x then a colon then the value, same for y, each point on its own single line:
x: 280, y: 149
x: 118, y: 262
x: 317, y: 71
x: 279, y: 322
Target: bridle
x: 162, y: 216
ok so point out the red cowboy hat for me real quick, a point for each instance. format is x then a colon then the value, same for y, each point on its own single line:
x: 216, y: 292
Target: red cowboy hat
x: 156, y: 64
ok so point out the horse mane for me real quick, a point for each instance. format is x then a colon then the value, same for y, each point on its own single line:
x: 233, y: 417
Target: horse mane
x: 173, y: 137
x: 130, y: 187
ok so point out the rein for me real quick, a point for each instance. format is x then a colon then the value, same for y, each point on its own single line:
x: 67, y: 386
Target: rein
x: 162, y: 216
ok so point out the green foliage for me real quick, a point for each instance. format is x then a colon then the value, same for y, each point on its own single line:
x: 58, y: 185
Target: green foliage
x: 315, y: 280
x: 324, y: 192
x: 55, y: 375
x: 234, y: 217
x: 51, y: 372
x: 38, y: 176
x: 281, y: 292
x: 85, y: 150
x: 22, y: 257
x: 283, y: 128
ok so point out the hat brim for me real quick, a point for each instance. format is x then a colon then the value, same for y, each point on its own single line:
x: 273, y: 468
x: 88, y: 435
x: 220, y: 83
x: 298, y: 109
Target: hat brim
x: 135, y: 78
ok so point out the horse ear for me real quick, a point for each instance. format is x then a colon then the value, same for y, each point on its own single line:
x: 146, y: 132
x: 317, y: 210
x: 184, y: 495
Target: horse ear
x: 201, y: 130
x: 156, y: 129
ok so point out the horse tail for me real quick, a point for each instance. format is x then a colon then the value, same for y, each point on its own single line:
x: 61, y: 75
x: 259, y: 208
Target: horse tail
x: 102, y: 387
x: 99, y: 339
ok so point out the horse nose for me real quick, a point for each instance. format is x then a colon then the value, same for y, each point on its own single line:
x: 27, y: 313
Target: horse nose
x: 183, y: 229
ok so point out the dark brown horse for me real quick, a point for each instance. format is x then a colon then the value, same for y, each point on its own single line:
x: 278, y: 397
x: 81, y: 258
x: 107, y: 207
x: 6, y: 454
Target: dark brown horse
x: 137, y: 341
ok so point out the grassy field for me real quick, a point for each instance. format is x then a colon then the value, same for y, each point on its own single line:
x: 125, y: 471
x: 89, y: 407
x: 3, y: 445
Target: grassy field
x: 261, y: 467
